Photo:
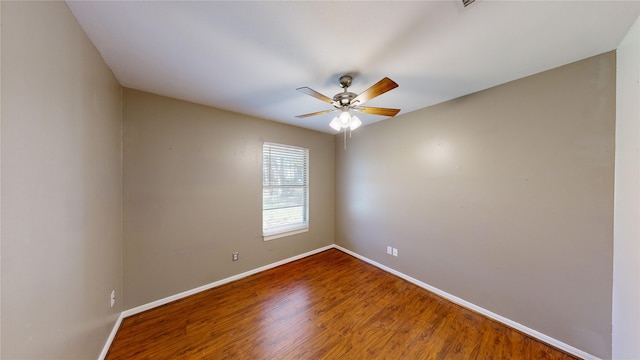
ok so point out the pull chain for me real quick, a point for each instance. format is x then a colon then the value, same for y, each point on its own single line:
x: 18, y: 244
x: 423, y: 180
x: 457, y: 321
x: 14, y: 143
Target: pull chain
x: 345, y: 139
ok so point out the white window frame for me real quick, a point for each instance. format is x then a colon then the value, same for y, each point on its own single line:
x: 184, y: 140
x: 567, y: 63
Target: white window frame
x: 274, y: 179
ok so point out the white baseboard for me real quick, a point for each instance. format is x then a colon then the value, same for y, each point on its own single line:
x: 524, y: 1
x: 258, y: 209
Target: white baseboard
x: 151, y: 305
x: 536, y: 334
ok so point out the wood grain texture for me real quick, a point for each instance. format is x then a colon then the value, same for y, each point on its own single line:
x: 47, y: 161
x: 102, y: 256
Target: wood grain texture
x: 325, y: 306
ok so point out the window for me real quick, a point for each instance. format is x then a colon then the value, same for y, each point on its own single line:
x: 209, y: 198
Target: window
x: 285, y: 190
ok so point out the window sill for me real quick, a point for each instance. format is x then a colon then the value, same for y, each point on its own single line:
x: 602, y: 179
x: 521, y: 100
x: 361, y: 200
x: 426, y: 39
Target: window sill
x: 284, y: 234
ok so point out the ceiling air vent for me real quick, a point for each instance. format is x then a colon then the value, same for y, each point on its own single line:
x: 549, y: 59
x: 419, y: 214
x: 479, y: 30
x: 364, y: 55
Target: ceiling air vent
x: 467, y: 2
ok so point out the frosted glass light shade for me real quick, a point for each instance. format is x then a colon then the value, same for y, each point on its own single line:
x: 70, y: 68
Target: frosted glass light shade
x: 335, y: 124
x: 355, y: 123
x: 345, y: 118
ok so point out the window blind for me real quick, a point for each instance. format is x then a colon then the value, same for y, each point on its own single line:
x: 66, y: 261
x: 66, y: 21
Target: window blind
x: 285, y: 189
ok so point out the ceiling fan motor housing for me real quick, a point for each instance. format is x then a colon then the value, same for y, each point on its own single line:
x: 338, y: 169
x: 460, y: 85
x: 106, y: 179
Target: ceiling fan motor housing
x: 344, y: 98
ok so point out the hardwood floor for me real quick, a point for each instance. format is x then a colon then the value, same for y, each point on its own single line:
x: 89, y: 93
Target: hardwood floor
x: 326, y: 306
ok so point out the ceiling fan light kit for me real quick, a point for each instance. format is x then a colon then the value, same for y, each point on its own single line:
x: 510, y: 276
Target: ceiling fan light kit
x: 345, y: 121
x: 346, y: 101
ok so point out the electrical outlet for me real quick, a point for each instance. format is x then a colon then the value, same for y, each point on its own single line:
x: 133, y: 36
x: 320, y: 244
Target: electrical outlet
x: 389, y: 250
x: 112, y: 298
x: 395, y: 252
x: 234, y: 256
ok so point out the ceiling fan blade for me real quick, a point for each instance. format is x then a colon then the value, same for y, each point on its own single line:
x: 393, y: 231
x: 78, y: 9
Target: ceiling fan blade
x: 377, y: 111
x: 377, y: 89
x: 315, y: 94
x: 316, y: 113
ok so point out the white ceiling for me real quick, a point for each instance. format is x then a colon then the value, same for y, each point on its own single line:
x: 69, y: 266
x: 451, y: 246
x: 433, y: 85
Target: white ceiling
x: 250, y: 56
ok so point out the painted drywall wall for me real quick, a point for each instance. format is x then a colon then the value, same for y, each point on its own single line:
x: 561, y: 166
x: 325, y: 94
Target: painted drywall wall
x: 61, y: 186
x: 503, y: 198
x: 626, y: 254
x: 193, y: 195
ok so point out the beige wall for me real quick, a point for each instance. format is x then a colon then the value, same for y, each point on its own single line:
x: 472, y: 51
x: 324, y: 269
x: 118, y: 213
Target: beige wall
x: 626, y: 271
x: 503, y: 198
x: 61, y: 186
x: 193, y: 195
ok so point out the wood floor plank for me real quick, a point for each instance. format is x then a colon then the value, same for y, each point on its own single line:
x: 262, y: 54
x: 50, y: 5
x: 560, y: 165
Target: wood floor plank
x: 326, y: 306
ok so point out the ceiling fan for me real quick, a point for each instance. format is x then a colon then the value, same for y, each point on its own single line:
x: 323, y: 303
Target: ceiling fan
x: 346, y: 101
